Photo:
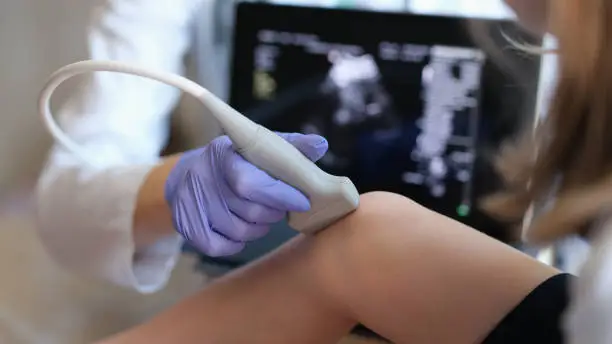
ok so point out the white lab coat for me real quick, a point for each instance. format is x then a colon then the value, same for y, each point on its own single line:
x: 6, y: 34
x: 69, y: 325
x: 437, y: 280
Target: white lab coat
x: 86, y: 213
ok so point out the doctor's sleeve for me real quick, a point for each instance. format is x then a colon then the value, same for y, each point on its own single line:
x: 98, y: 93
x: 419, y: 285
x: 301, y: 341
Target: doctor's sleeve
x: 588, y: 318
x: 85, y: 212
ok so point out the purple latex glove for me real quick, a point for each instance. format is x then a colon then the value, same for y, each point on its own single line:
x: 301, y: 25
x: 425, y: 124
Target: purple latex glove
x: 220, y: 201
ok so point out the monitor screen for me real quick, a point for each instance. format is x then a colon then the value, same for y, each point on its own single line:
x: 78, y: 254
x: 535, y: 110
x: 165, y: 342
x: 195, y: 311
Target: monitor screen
x: 409, y: 103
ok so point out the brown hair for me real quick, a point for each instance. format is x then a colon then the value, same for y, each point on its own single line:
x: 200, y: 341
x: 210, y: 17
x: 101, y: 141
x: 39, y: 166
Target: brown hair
x: 574, y: 141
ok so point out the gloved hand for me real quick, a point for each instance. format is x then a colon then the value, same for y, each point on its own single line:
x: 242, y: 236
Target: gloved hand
x: 219, y: 201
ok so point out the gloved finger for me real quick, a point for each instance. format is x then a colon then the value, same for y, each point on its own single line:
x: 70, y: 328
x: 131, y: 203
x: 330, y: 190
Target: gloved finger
x: 312, y: 146
x: 197, y: 231
x: 250, y: 183
x: 216, y: 245
x: 236, y: 229
x: 251, y: 212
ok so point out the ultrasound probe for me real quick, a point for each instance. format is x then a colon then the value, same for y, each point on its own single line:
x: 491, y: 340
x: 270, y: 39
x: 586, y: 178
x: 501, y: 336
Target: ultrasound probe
x: 331, y: 197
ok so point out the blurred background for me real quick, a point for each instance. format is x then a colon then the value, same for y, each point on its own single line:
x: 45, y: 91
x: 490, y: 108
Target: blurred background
x: 40, y: 302
x: 35, y: 38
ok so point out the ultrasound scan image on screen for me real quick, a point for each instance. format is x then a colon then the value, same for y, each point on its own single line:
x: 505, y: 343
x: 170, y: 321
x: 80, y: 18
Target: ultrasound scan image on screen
x: 411, y: 116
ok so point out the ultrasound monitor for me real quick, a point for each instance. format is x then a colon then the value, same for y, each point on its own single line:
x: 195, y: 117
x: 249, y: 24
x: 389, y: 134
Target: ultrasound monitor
x: 409, y: 103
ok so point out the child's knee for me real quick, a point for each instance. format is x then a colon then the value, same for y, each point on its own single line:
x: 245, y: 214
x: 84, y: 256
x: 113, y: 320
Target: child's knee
x: 383, y: 216
x: 385, y: 227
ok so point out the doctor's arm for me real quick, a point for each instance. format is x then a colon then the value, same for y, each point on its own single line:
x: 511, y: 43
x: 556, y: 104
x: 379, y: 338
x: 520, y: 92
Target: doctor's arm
x: 98, y: 220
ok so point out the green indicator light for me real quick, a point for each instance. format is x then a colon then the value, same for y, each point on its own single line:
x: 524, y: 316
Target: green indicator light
x: 463, y: 210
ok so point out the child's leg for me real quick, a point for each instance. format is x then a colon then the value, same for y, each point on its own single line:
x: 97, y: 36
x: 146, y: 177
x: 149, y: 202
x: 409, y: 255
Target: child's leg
x: 409, y: 274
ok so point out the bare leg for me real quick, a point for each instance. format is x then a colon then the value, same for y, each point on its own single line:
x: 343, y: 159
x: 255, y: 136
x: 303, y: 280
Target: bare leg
x: 411, y: 275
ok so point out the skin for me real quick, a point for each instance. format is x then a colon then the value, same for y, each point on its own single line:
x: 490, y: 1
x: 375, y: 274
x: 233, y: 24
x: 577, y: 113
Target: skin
x: 404, y: 271
x: 152, y: 217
